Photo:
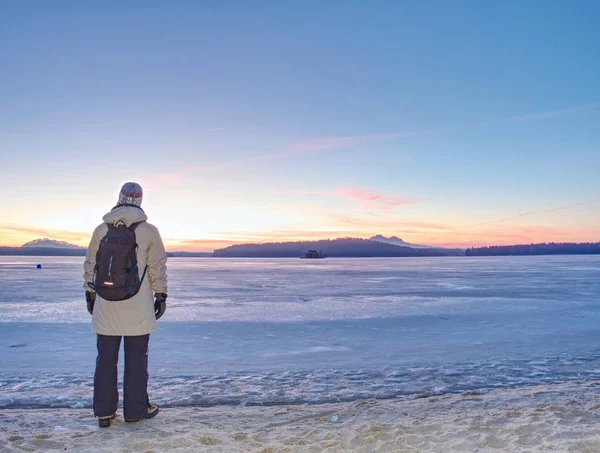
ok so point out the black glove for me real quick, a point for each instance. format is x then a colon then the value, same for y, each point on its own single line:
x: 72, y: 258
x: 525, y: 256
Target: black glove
x: 90, y: 298
x: 160, y: 304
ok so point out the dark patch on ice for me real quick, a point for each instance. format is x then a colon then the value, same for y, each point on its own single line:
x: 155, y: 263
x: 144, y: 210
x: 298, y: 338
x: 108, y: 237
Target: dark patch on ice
x: 18, y: 345
x: 548, y: 392
x: 422, y: 396
x: 474, y: 393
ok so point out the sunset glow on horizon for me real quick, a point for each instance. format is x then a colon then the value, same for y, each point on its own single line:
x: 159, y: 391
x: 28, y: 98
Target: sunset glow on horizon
x: 269, y: 124
x: 217, y: 226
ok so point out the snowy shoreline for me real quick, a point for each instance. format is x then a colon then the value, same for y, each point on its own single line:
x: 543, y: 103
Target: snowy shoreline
x: 557, y: 417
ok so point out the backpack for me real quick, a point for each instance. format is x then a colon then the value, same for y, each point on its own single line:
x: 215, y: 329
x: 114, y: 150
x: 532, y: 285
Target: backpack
x: 116, y: 271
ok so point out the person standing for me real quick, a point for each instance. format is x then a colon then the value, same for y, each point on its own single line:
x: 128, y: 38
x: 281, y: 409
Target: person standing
x: 124, y: 265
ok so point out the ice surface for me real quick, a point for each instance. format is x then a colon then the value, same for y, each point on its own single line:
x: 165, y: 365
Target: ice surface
x: 243, y: 331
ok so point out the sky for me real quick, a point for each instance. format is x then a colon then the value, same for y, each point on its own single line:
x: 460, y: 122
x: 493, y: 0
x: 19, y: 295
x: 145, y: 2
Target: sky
x: 450, y: 123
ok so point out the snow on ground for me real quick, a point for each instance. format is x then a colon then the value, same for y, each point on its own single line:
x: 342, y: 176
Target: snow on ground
x: 557, y: 418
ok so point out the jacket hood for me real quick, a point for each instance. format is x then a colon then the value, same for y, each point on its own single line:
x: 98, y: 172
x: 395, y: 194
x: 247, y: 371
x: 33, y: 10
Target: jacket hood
x: 125, y: 214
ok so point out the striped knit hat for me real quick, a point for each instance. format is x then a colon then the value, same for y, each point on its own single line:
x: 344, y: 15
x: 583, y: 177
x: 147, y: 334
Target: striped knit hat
x: 131, y: 193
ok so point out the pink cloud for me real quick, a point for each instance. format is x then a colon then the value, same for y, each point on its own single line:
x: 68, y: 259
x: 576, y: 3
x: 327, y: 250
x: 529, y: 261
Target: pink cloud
x: 338, y: 142
x: 323, y: 144
x: 369, y: 199
x: 326, y: 143
x: 539, y: 230
x: 426, y: 225
x: 388, y: 225
x: 529, y: 214
x: 314, y: 145
x: 539, y: 116
x: 163, y: 179
x: 329, y: 143
x: 510, y: 235
x: 157, y: 181
x: 386, y: 201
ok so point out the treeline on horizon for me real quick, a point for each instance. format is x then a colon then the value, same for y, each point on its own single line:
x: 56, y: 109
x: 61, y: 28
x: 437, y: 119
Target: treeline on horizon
x: 335, y: 248
x: 41, y: 251
x: 342, y: 248
x: 56, y: 251
x: 552, y: 248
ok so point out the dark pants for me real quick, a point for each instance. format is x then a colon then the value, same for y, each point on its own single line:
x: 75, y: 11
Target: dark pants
x: 135, y: 382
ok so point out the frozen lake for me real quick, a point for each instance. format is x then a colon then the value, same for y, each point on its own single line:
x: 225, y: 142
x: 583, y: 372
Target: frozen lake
x: 244, y: 331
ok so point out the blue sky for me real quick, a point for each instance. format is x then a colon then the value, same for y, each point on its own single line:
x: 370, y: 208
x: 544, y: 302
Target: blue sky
x: 260, y: 120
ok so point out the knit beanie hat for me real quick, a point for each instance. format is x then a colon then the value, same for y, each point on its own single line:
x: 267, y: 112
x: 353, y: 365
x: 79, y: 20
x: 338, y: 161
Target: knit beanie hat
x: 131, y: 193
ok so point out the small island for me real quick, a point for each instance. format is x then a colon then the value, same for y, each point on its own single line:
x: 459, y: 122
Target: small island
x: 336, y: 248
x: 313, y: 255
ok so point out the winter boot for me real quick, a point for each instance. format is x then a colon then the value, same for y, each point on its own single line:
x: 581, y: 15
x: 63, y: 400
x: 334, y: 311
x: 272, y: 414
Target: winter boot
x: 152, y: 411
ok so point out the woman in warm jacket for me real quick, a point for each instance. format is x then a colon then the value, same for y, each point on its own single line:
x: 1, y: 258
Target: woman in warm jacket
x: 130, y: 316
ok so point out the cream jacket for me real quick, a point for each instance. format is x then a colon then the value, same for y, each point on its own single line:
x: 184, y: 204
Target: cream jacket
x: 133, y: 316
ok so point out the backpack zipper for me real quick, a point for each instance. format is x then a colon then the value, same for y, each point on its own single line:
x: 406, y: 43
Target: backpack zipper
x: 110, y: 265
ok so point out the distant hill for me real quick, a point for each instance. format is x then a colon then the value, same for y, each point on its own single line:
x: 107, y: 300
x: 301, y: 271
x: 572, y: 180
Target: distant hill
x: 336, y: 248
x: 537, y: 249
x: 79, y: 251
x: 51, y: 243
x: 395, y: 240
x: 42, y: 251
x: 189, y: 254
x: 51, y: 247
x: 45, y: 247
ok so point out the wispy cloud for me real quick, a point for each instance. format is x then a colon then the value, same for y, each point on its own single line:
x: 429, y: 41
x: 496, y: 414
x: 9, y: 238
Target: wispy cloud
x: 329, y: 143
x: 35, y: 233
x: 337, y: 142
x: 508, y: 235
x: 156, y: 181
x: 308, y: 146
x: 389, y: 225
x: 484, y: 233
x: 359, y: 227
x: 201, y: 245
x: 425, y: 225
x: 368, y: 198
x: 529, y: 117
x: 529, y: 214
x: 385, y: 201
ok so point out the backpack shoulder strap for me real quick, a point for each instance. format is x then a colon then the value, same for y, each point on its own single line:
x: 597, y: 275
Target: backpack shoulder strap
x: 133, y: 226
